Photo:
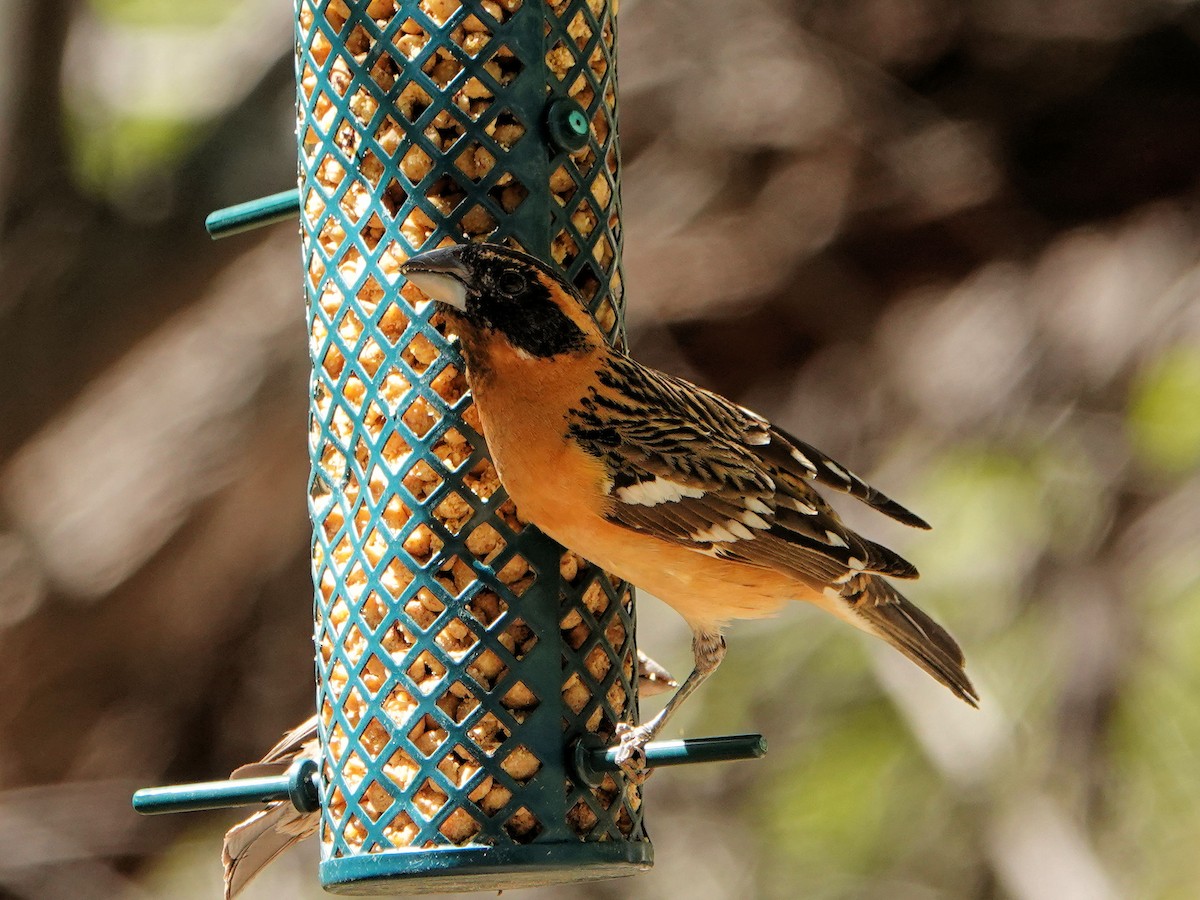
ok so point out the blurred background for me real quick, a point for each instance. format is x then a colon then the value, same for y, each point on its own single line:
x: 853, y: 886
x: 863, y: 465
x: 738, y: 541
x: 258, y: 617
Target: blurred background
x: 954, y: 243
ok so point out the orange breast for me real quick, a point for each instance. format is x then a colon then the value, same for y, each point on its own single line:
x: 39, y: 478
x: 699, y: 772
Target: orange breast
x: 523, y: 405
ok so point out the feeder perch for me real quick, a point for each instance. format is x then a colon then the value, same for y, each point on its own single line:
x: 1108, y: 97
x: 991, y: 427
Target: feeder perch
x: 471, y: 674
x: 253, y: 214
x: 299, y: 785
x: 591, y: 759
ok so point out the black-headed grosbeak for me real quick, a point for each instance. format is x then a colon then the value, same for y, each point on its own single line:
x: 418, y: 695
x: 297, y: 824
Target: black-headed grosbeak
x: 702, y: 502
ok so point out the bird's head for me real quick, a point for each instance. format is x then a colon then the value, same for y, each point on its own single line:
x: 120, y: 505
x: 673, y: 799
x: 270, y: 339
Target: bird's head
x: 503, y: 294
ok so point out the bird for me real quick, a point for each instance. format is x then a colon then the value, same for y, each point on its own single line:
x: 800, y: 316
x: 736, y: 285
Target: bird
x: 704, y: 503
x: 256, y: 841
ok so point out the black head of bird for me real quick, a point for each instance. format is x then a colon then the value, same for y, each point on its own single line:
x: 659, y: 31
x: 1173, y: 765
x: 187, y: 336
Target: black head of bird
x: 503, y: 293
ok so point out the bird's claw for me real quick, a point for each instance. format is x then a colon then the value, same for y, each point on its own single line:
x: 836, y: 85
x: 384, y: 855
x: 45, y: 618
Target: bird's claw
x: 631, y: 751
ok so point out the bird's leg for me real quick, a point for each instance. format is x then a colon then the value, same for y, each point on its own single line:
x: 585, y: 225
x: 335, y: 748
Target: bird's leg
x: 708, y: 649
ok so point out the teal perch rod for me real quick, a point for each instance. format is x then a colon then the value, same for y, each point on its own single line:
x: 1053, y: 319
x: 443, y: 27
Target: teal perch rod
x: 592, y: 760
x: 298, y: 784
x: 253, y: 214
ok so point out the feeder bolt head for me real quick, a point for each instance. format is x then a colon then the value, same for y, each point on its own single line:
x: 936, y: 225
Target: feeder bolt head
x: 568, y: 124
x: 442, y: 274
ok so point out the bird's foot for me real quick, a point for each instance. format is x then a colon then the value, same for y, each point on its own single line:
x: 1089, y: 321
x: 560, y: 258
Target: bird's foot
x: 631, y: 751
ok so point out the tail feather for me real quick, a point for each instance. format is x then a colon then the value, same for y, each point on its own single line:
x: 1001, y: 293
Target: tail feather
x: 884, y: 611
x: 653, y: 678
x: 252, y: 845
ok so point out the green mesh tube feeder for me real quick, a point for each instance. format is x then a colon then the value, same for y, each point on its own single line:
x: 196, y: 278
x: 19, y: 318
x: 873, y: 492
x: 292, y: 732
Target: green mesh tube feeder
x: 471, y: 674
x: 460, y: 654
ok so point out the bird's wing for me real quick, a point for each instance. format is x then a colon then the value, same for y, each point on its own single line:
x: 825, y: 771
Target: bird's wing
x: 283, y: 754
x: 691, y: 467
x: 792, y: 455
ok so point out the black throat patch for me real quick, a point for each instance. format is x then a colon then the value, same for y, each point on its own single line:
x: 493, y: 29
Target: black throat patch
x: 531, y: 322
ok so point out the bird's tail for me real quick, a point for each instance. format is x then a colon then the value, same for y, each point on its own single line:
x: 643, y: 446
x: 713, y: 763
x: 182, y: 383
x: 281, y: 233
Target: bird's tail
x: 879, y: 608
x: 252, y: 844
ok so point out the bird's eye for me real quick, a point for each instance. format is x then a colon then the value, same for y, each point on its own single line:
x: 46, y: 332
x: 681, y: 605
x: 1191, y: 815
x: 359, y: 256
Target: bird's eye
x: 510, y: 283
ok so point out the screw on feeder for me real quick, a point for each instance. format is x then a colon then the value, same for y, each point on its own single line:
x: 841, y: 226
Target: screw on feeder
x: 568, y: 125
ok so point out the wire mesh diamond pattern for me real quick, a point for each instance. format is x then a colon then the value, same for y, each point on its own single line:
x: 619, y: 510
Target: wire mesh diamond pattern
x: 446, y: 627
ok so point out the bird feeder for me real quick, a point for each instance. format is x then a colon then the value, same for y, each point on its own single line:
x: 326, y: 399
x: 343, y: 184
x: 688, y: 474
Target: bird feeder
x: 471, y: 674
x: 460, y: 653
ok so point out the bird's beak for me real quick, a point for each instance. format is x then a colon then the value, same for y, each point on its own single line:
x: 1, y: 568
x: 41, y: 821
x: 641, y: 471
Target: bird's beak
x: 441, y: 274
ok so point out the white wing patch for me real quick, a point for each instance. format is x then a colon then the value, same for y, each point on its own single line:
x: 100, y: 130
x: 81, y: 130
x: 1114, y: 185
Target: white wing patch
x: 757, y: 506
x: 803, y: 460
x: 728, y: 532
x: 656, y: 491
x: 837, y: 470
x: 761, y: 434
x: 835, y: 540
x: 798, y: 505
x: 755, y: 521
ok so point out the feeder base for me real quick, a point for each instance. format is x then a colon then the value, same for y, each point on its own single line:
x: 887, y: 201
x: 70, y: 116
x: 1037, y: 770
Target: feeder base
x: 461, y: 869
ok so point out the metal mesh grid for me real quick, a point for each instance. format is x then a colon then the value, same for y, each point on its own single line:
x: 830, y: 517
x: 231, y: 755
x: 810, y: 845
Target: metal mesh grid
x: 445, y: 628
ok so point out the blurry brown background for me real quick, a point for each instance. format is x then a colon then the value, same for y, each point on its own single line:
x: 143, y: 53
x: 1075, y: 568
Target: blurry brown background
x: 955, y: 244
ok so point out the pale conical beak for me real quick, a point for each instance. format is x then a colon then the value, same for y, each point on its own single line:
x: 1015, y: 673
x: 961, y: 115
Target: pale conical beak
x: 440, y: 274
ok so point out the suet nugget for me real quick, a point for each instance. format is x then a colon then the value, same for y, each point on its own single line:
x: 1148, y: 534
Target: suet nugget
x: 678, y: 490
